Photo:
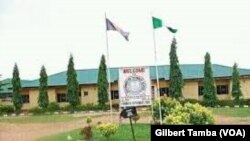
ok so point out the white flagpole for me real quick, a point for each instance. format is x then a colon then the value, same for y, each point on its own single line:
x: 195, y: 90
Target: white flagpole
x: 109, y: 87
x: 157, y: 77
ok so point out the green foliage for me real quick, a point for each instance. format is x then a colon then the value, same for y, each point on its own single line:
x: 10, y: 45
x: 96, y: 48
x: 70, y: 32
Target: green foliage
x: 177, y: 118
x: 85, y: 107
x: 193, y: 101
x: 176, y: 81
x: 136, y: 118
x: 37, y: 111
x: 236, y: 91
x: 209, y: 96
x: 102, y: 83
x: 167, y: 105
x: 6, y: 109
x: 43, y: 99
x: 107, y: 129
x: 190, y: 114
x: 88, y: 120
x: 16, y: 83
x: 87, y: 132
x: 199, y: 115
x: 52, y: 107
x: 72, y: 85
x: 175, y: 113
x: 226, y: 103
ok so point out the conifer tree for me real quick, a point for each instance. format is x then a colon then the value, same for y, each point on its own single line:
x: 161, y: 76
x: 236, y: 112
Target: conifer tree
x: 236, y: 88
x: 209, y: 92
x: 72, y: 85
x: 17, y: 87
x: 43, y: 99
x: 176, y: 82
x: 102, y: 83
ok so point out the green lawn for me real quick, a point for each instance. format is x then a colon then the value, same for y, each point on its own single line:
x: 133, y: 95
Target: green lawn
x: 142, y: 133
x: 39, y: 119
x: 232, y: 112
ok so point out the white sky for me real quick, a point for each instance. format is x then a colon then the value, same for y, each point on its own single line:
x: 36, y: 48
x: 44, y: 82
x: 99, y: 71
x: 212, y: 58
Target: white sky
x: 36, y: 32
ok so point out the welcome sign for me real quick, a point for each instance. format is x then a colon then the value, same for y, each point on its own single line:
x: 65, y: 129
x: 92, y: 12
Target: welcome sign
x: 134, y: 86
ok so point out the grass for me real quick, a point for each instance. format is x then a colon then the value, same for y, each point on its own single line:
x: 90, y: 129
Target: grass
x: 39, y: 119
x: 142, y: 133
x: 232, y: 112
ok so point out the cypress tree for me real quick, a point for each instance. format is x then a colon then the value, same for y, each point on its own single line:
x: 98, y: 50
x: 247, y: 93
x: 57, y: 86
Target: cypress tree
x: 175, y: 76
x: 236, y: 91
x: 17, y: 87
x: 102, y: 83
x: 43, y: 99
x: 72, y: 85
x: 209, y: 97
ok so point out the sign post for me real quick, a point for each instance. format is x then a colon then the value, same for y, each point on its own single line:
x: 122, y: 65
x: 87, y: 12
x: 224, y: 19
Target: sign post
x: 132, y: 129
x: 134, y: 87
x: 129, y: 113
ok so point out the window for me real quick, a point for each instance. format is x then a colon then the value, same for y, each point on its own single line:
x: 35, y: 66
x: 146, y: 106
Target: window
x: 222, y: 89
x: 153, y: 90
x: 26, y: 98
x: 115, y: 94
x: 61, y: 97
x: 164, y: 91
x: 85, y: 93
x: 200, y: 90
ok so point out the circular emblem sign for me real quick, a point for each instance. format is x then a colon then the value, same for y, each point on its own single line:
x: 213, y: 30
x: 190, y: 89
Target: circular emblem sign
x: 134, y: 85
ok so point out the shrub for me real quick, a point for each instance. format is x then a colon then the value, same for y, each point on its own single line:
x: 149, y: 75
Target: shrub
x: 87, y: 133
x: 190, y: 101
x: 167, y: 105
x: 226, y: 103
x: 136, y: 118
x: 99, y: 122
x: 53, y: 106
x: 6, y: 109
x: 107, y: 129
x: 247, y: 102
x: 177, y: 118
x: 88, y: 120
x: 199, y: 114
x: 190, y: 114
x: 37, y: 111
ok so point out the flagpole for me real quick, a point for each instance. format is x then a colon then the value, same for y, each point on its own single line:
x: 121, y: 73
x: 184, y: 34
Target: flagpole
x: 157, y: 75
x: 109, y: 86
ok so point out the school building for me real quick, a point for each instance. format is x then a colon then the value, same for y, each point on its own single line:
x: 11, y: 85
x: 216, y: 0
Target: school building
x: 192, y: 74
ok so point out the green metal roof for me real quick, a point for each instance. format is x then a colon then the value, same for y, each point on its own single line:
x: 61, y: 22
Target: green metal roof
x: 89, y: 76
x: 6, y: 86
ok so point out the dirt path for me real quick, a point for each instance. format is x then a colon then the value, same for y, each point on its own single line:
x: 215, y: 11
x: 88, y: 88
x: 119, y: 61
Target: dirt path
x: 32, y: 132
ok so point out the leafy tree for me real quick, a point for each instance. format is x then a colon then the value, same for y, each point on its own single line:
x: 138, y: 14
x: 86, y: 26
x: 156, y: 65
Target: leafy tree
x: 236, y: 91
x: 209, y: 97
x: 176, y: 82
x: 17, y: 87
x: 43, y: 99
x: 102, y: 83
x: 72, y: 85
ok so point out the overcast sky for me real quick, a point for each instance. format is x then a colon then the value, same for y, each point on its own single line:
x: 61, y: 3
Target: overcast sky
x: 37, y: 32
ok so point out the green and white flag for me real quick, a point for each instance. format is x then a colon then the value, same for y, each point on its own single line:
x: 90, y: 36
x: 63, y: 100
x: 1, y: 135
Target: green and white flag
x: 157, y: 23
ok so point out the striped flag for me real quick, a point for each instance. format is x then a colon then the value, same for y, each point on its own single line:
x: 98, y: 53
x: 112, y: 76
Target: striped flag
x: 112, y: 26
